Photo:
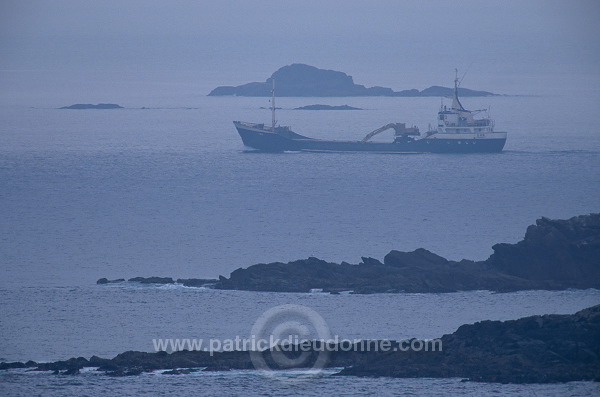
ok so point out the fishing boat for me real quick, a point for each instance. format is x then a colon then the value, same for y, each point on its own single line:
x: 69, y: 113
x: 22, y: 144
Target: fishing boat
x: 457, y: 131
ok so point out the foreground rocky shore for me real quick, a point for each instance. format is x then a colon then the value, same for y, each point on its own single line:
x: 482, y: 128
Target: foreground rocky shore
x: 554, y: 255
x: 536, y: 349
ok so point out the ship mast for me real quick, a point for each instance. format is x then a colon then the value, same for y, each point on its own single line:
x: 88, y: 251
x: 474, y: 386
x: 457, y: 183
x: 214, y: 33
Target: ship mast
x: 455, y: 102
x: 273, y: 120
x: 455, y: 83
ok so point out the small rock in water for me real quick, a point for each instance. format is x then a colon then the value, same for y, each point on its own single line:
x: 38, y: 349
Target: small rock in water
x: 104, y: 280
x: 80, y: 106
x: 153, y: 280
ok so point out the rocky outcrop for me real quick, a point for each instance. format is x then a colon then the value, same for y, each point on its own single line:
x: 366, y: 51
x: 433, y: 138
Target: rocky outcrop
x: 555, y: 254
x: 566, y: 250
x: 104, y: 280
x: 299, y: 80
x: 152, y: 280
x: 536, y: 349
x: 197, y: 282
x: 188, y: 282
x: 411, y: 274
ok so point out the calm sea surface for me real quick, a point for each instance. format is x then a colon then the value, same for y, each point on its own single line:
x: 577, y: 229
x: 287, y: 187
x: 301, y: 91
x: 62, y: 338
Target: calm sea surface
x: 168, y: 190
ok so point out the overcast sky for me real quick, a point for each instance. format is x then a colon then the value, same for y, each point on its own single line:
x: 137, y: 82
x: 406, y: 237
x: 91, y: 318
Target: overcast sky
x: 400, y: 44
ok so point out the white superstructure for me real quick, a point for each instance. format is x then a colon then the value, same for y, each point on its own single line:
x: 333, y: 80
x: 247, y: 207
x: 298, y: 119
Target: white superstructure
x: 456, y: 122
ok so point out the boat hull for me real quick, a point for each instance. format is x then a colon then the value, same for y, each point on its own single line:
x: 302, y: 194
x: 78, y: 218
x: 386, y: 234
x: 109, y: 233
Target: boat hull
x: 264, y: 139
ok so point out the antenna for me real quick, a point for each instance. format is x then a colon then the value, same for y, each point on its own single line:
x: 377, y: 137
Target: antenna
x: 456, y: 79
x: 273, y: 121
x: 463, y: 77
x: 467, y: 71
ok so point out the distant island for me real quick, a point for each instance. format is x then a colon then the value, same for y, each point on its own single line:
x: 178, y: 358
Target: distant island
x: 327, y: 107
x: 79, y: 106
x: 300, y: 80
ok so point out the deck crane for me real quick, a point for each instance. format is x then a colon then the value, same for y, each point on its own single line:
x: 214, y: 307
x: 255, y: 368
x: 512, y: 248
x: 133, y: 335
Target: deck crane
x: 399, y: 131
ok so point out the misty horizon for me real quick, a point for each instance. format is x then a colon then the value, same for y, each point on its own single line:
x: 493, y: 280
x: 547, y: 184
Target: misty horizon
x: 108, y: 48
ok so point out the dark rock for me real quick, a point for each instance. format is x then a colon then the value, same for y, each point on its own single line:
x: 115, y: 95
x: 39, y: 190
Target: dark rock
x: 537, y: 349
x: 417, y: 271
x: 153, y: 280
x: 566, y: 250
x: 297, y: 276
x: 96, y: 361
x: 419, y: 258
x: 107, y: 281
x: 188, y: 282
x: 125, y: 372
x: 71, y: 371
x: 90, y: 106
x: 71, y: 365
x: 370, y: 261
x: 12, y: 365
x: 327, y: 107
x: 197, y: 282
x: 299, y: 80
x: 555, y: 254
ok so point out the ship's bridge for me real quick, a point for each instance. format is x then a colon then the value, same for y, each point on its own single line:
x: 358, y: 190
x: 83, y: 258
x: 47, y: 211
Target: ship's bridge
x: 459, y: 120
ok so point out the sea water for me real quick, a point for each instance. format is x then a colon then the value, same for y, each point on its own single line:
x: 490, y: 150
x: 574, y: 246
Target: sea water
x: 167, y: 189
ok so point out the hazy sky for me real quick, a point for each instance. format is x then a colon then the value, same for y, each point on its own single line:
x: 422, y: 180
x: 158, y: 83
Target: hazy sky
x: 505, y: 45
